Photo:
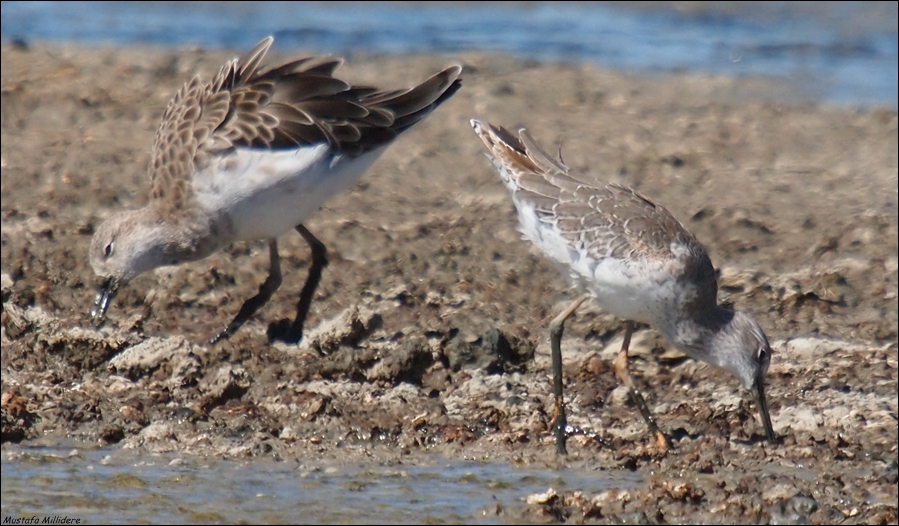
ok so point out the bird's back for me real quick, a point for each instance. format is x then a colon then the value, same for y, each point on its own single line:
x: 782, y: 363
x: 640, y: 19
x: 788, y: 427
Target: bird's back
x: 287, y: 107
x: 608, y: 238
x: 258, y: 150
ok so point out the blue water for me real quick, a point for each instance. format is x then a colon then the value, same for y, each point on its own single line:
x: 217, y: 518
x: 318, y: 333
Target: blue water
x: 841, y: 52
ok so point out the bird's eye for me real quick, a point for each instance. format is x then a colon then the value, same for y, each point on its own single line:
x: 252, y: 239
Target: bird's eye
x: 763, y: 354
x: 108, y: 250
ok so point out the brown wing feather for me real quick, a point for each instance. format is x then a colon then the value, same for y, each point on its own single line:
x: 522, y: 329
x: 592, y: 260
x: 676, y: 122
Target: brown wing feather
x: 296, y: 103
x: 607, y: 220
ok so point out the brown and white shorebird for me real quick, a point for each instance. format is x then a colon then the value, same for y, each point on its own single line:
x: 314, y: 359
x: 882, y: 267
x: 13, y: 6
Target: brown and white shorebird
x: 249, y: 155
x: 635, y: 260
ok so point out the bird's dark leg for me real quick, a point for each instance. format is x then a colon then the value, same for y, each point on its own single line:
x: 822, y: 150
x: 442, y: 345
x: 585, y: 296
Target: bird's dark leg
x: 249, y: 307
x: 319, y: 262
x: 560, y: 423
x: 624, y: 376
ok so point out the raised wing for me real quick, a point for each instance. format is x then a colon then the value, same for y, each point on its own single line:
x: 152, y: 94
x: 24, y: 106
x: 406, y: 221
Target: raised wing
x: 294, y: 104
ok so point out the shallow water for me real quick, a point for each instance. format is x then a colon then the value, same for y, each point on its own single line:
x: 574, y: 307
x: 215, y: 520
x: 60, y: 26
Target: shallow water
x: 840, y: 52
x: 115, y: 486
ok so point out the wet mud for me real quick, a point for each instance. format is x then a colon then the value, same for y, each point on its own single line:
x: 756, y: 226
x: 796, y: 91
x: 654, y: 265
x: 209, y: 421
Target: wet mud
x: 428, y: 333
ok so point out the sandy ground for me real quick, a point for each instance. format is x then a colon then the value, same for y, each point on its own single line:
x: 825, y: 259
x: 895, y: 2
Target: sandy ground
x: 428, y: 333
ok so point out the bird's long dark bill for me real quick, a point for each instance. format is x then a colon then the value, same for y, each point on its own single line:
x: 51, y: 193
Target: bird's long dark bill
x: 107, y: 291
x: 763, y: 409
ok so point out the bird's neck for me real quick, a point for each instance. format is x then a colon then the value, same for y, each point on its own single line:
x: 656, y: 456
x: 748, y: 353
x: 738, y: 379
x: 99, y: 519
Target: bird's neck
x: 189, y: 236
x: 697, y: 336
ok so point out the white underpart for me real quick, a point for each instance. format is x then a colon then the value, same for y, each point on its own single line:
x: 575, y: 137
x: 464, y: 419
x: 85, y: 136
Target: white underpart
x: 640, y: 289
x: 265, y: 193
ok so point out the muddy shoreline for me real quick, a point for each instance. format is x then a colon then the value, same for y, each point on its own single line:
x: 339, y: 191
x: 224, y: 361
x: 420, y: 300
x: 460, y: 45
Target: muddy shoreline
x: 428, y: 332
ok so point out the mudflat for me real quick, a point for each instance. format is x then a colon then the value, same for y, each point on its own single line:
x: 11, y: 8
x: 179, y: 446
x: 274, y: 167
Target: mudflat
x: 429, y: 330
